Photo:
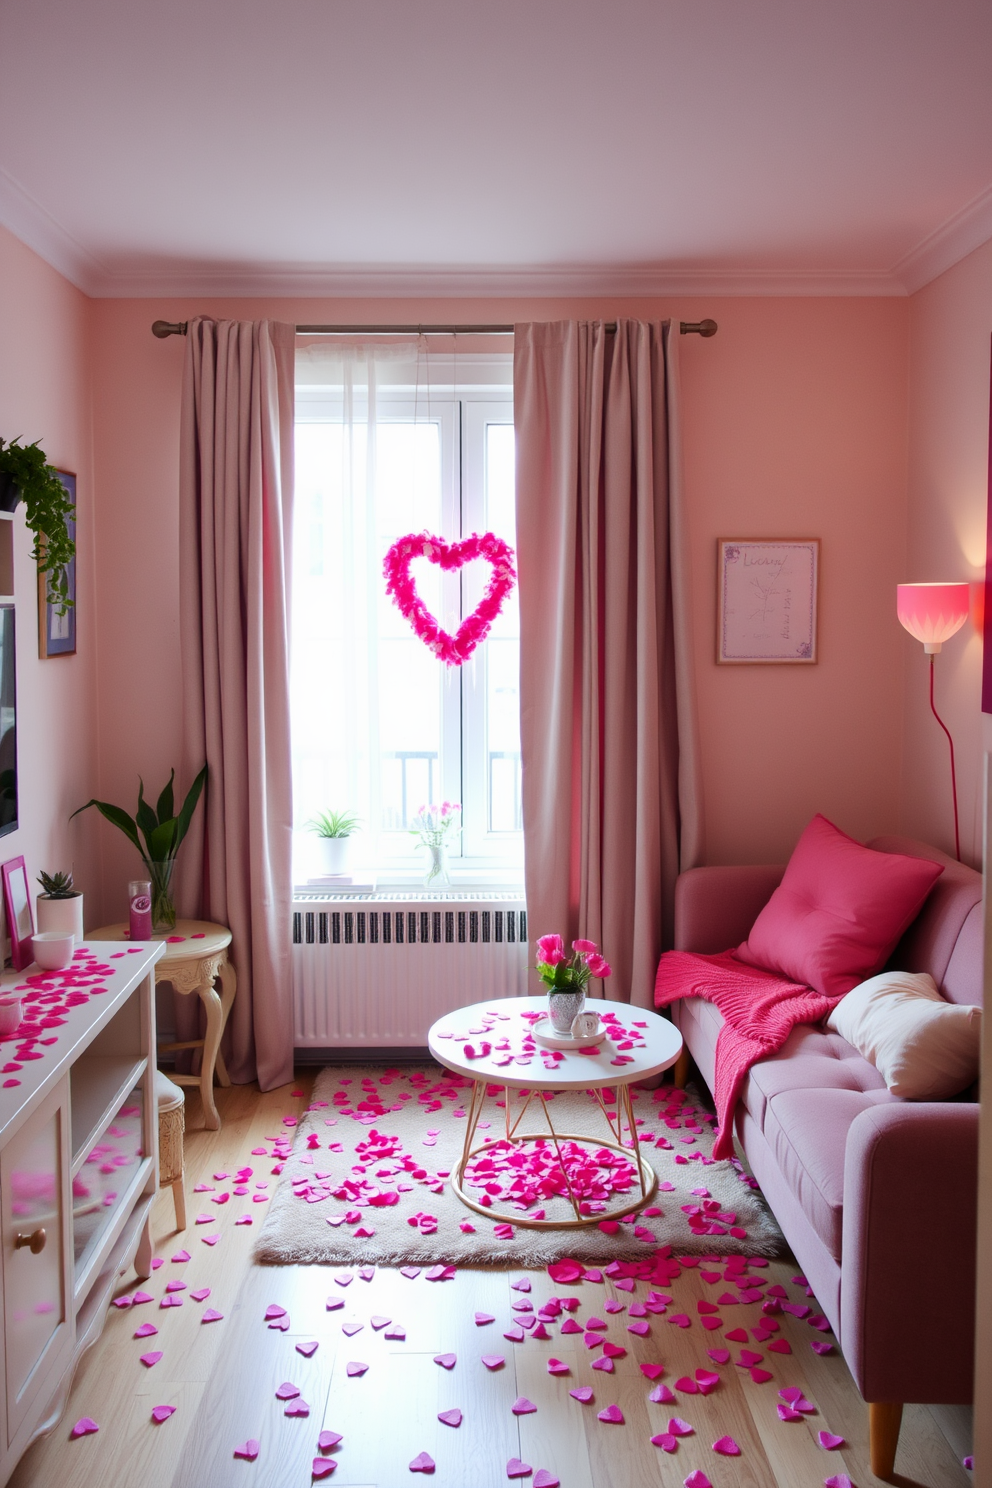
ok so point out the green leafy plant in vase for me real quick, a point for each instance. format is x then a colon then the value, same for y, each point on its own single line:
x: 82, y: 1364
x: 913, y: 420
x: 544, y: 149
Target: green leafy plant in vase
x: 163, y: 829
x: 26, y: 474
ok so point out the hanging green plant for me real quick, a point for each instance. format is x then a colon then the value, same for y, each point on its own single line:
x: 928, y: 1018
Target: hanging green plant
x: 25, y: 474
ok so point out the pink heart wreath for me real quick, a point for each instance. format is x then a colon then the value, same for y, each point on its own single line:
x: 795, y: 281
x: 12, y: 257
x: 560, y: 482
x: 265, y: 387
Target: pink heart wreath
x: 457, y: 648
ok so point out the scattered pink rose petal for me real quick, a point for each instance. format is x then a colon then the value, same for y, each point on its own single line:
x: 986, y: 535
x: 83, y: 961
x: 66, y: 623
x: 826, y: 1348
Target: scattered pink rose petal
x: 557, y: 1366
x: 650, y: 1371
x: 422, y: 1463
x: 545, y: 1479
x: 446, y: 1361
x: 201, y: 1294
x: 481, y: 1318
x: 828, y: 1441
x: 248, y: 1450
x: 662, y: 1395
x: 726, y: 1446
x: 145, y: 1331
x: 274, y: 1311
x: 665, y: 1442
x: 697, y: 1479
x: 613, y: 1415
x: 212, y: 1316
x: 85, y: 1426
x: 517, y: 1469
x: 841, y: 1480
x: 297, y: 1408
x: 150, y: 1360
x: 451, y: 1417
x: 493, y: 1361
x: 522, y: 1406
x: 678, y: 1427
x: 322, y: 1467
x: 583, y: 1394
x: 287, y: 1391
x: 162, y: 1413
x: 356, y: 1368
x: 307, y: 1349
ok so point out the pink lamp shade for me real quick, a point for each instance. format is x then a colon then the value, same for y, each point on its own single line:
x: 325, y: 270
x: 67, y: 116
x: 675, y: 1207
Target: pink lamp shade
x: 932, y: 612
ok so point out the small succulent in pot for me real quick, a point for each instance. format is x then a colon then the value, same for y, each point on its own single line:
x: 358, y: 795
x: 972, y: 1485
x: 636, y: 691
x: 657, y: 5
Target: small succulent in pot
x: 334, y: 830
x: 57, y: 886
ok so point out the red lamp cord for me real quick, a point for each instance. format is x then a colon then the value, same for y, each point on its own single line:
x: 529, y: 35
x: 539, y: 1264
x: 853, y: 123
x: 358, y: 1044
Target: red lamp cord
x: 954, y: 779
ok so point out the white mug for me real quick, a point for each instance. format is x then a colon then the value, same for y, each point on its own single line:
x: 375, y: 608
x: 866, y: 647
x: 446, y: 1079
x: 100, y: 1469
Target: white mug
x: 585, y: 1025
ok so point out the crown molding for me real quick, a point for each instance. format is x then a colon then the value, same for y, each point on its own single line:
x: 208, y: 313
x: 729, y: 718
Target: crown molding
x: 952, y: 241
x: 491, y: 282
x: 28, y: 220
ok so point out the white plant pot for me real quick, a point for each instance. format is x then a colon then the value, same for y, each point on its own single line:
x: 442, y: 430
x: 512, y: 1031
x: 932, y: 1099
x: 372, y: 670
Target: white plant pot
x: 62, y: 915
x: 334, y: 854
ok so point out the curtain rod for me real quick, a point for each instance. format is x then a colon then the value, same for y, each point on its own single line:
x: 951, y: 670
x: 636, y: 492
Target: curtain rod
x: 163, y: 328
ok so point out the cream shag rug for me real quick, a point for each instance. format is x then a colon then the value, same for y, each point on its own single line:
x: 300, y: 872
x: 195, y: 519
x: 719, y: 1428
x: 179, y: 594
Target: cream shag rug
x: 366, y: 1168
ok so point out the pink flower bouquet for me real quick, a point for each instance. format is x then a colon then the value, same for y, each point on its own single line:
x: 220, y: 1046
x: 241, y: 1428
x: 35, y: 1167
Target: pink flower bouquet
x: 561, y: 972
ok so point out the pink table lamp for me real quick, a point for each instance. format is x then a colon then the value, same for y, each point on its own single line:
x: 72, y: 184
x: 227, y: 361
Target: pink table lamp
x: 933, y: 613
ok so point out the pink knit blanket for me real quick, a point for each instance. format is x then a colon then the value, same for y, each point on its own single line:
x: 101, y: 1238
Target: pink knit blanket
x: 759, y: 1010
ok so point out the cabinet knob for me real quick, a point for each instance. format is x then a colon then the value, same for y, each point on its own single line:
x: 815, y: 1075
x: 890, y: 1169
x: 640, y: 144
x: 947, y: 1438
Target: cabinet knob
x: 36, y: 1241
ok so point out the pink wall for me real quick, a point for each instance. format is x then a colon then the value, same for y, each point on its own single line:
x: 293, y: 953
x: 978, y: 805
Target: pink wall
x: 45, y: 394
x: 950, y: 330
x: 795, y: 425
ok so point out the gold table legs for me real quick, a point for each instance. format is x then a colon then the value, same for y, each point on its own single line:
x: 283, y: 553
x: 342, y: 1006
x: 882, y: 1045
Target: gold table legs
x: 623, y: 1116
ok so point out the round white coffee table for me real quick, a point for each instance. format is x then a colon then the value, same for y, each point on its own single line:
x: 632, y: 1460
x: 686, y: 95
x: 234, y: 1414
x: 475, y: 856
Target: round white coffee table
x: 643, y: 1045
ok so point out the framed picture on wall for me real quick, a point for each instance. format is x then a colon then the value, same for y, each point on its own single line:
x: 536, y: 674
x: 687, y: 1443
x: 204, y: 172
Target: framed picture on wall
x: 57, y: 633
x: 767, y: 593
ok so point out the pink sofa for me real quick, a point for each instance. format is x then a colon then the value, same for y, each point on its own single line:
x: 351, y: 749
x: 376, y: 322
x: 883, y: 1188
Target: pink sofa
x: 869, y: 1189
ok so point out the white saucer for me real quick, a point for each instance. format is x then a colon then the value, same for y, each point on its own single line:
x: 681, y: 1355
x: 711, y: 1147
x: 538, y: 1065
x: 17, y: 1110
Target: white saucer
x: 549, y: 1039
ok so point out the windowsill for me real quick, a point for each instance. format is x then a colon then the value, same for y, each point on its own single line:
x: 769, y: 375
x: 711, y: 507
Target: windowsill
x: 476, y: 882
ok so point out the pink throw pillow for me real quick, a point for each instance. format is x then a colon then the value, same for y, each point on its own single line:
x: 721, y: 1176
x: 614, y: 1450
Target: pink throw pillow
x: 839, y: 911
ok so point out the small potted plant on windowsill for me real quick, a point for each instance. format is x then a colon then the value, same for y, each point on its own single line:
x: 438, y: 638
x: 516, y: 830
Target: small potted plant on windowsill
x: 333, y: 830
x: 60, y: 906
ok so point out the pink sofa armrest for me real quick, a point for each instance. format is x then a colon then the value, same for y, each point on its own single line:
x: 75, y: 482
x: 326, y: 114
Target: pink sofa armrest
x: 716, y: 907
x: 910, y: 1215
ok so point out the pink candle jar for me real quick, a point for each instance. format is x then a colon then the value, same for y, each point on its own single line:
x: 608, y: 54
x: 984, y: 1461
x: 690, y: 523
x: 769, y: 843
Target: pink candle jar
x: 139, y: 895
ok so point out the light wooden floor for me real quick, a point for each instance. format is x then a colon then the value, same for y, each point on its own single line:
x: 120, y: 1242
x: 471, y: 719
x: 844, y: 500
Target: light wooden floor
x: 222, y: 1377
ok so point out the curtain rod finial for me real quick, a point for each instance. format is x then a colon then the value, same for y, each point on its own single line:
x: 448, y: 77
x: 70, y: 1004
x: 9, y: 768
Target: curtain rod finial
x: 698, y: 327
x: 163, y: 328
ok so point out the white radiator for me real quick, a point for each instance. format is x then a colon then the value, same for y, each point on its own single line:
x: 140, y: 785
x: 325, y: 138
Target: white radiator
x: 377, y: 971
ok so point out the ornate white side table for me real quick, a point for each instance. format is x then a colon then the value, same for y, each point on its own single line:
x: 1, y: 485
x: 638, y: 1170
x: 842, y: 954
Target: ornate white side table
x: 196, y: 956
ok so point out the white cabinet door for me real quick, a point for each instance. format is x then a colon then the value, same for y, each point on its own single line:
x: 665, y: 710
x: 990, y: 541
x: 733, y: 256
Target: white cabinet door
x: 37, y: 1329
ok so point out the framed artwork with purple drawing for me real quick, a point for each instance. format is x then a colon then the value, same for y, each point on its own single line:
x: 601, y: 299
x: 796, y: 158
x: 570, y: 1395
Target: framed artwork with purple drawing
x: 57, y: 627
x: 767, y: 592
x: 17, y: 909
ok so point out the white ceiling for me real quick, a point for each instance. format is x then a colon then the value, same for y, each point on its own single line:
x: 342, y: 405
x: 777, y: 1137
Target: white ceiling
x: 497, y: 146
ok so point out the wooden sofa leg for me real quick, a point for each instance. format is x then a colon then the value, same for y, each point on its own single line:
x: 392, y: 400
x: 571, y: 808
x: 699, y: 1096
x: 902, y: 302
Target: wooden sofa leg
x: 884, y: 1420
x: 680, y: 1070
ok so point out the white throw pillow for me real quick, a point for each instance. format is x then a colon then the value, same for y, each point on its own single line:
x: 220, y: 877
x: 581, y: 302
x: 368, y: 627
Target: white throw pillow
x: 924, y: 1047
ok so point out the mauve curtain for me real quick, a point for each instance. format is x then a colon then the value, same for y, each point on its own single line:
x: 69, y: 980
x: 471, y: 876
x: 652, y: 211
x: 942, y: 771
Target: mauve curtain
x: 610, y: 780
x: 236, y: 491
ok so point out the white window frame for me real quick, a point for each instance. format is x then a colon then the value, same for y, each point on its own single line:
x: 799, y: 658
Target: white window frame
x: 462, y: 410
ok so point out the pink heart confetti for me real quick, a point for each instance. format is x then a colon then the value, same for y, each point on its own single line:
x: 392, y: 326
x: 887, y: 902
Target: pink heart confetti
x: 828, y: 1441
x: 149, y: 1360
x: 446, y: 1361
x: 650, y: 1371
x: 422, y: 1463
x: 356, y: 1367
x: 297, y: 1408
x: 322, y: 1467
x: 662, y: 1395
x: 287, y: 1391
x: 248, y: 1450
x: 145, y: 1331
x: 85, y: 1426
x: 481, y: 1318
x: 307, y: 1349
x: 522, y: 1406
x: 201, y: 1294
x: 583, y: 1394
x: 328, y: 1439
x: 517, y: 1469
x: 557, y: 1366
x: 613, y: 1415
x: 697, y: 1479
x: 678, y: 1427
x: 493, y: 1361
x: 726, y: 1446
x: 162, y: 1413
x: 274, y: 1311
x: 665, y: 1442
x: 450, y: 1417
x: 212, y: 1316
x: 841, y: 1480
x: 545, y: 1479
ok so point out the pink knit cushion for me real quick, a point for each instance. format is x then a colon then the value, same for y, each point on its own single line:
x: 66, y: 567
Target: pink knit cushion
x: 839, y: 911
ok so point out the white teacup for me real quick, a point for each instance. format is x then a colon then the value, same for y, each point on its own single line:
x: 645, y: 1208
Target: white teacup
x: 585, y: 1025
x: 52, y: 949
x: 11, y: 1012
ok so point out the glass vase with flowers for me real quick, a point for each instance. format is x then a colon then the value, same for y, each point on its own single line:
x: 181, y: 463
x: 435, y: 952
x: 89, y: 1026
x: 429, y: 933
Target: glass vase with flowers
x: 432, y: 826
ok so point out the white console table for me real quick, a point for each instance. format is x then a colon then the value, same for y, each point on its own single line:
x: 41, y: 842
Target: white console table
x: 78, y: 1175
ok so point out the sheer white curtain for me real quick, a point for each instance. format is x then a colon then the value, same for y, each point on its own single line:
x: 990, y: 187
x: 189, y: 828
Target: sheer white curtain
x: 367, y: 695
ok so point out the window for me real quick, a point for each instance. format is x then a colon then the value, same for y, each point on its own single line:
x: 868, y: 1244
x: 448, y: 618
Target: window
x: 386, y: 445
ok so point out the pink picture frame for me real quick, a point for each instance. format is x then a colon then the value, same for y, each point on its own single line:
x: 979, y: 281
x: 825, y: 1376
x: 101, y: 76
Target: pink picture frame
x: 17, y: 908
